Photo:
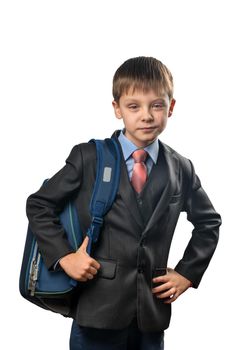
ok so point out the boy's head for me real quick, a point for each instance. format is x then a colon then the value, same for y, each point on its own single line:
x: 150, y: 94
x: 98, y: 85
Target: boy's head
x: 142, y: 73
x: 143, y: 98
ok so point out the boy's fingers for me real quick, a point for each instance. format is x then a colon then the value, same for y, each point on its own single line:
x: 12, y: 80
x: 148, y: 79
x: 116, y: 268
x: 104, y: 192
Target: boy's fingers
x: 95, y: 264
x: 167, y: 294
x: 160, y: 279
x: 165, y: 278
x: 89, y: 276
x: 161, y: 288
x: 93, y: 270
x: 171, y: 299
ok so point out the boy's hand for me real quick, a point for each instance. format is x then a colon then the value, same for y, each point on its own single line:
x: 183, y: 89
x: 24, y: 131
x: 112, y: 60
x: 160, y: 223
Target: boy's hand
x: 79, y: 265
x: 172, y: 285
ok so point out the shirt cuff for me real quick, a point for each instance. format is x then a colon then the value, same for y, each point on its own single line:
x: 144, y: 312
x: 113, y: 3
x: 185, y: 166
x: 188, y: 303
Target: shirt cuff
x: 56, y: 266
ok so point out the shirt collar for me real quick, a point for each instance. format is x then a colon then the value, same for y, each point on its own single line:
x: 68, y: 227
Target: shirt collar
x: 129, y: 147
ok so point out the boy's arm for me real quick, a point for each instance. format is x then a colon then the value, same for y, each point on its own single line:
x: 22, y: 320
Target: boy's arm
x: 206, y: 222
x: 44, y: 205
x: 200, y: 249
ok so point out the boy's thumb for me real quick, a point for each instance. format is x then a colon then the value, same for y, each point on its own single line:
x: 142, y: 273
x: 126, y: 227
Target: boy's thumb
x: 84, y: 245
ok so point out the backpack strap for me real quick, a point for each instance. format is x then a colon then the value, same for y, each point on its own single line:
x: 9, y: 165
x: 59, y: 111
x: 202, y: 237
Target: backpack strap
x: 106, y: 185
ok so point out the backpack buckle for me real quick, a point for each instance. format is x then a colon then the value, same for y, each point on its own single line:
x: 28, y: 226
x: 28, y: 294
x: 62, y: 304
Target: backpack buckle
x: 94, y: 230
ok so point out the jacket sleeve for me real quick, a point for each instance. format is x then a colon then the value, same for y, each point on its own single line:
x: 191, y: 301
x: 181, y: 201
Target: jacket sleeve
x: 206, y: 222
x: 44, y: 205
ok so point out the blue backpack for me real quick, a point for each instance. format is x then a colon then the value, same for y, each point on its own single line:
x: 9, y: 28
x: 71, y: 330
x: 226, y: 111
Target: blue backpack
x: 55, y: 290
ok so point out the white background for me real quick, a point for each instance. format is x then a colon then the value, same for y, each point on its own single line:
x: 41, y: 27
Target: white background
x: 57, y: 62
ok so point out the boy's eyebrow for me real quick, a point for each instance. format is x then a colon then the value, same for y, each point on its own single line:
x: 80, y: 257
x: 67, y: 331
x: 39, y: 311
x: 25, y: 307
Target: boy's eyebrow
x: 132, y: 99
x: 135, y: 101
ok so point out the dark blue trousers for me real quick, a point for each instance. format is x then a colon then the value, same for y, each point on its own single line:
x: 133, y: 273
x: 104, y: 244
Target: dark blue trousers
x: 130, y: 338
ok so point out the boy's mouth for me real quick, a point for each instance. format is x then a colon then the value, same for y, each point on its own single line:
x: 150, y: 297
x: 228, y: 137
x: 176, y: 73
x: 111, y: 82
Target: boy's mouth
x: 148, y: 128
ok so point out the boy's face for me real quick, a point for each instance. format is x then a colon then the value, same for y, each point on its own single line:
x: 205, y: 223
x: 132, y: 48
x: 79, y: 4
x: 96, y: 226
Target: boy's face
x: 144, y: 115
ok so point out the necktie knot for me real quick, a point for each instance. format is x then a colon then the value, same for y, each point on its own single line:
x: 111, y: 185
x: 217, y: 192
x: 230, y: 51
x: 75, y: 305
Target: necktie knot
x: 139, y: 156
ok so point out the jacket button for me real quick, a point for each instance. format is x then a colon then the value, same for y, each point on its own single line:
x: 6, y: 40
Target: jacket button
x: 142, y: 242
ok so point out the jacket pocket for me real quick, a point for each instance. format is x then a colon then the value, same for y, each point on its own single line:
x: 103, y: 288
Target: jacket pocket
x: 107, y: 268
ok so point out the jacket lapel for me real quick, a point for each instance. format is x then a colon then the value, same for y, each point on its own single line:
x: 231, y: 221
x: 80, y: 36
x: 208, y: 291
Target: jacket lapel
x: 168, y: 191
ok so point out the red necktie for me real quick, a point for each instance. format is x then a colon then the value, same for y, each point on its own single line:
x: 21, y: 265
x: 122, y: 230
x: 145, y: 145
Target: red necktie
x: 139, y: 174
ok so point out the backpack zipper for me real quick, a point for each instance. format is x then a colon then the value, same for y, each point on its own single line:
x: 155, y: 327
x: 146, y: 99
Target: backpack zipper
x: 33, y: 278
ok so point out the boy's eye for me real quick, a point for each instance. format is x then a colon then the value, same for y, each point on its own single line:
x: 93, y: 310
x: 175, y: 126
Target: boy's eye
x: 133, y: 106
x: 157, y: 105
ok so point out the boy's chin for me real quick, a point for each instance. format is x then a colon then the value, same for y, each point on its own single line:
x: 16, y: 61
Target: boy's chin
x: 149, y: 138
x: 145, y: 141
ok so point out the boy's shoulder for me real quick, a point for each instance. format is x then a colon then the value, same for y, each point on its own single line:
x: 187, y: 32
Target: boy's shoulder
x: 173, y: 153
x: 84, y: 148
x: 82, y: 154
x: 186, y: 166
x: 179, y: 160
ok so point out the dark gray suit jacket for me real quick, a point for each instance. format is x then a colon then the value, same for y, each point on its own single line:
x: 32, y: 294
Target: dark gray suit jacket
x: 129, y: 251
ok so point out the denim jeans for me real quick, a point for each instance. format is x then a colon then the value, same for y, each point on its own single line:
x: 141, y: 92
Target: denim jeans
x: 130, y: 338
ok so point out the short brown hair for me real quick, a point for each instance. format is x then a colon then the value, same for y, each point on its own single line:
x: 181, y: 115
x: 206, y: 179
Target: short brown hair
x: 142, y: 73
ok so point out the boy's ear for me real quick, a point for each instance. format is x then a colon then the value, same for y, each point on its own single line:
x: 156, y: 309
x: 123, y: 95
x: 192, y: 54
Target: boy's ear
x: 116, y: 110
x: 172, y: 104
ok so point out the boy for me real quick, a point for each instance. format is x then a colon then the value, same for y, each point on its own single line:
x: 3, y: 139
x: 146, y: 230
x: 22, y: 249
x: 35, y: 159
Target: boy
x: 126, y: 288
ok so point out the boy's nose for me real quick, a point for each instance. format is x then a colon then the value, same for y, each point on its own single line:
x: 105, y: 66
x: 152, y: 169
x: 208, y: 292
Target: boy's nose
x: 147, y: 116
